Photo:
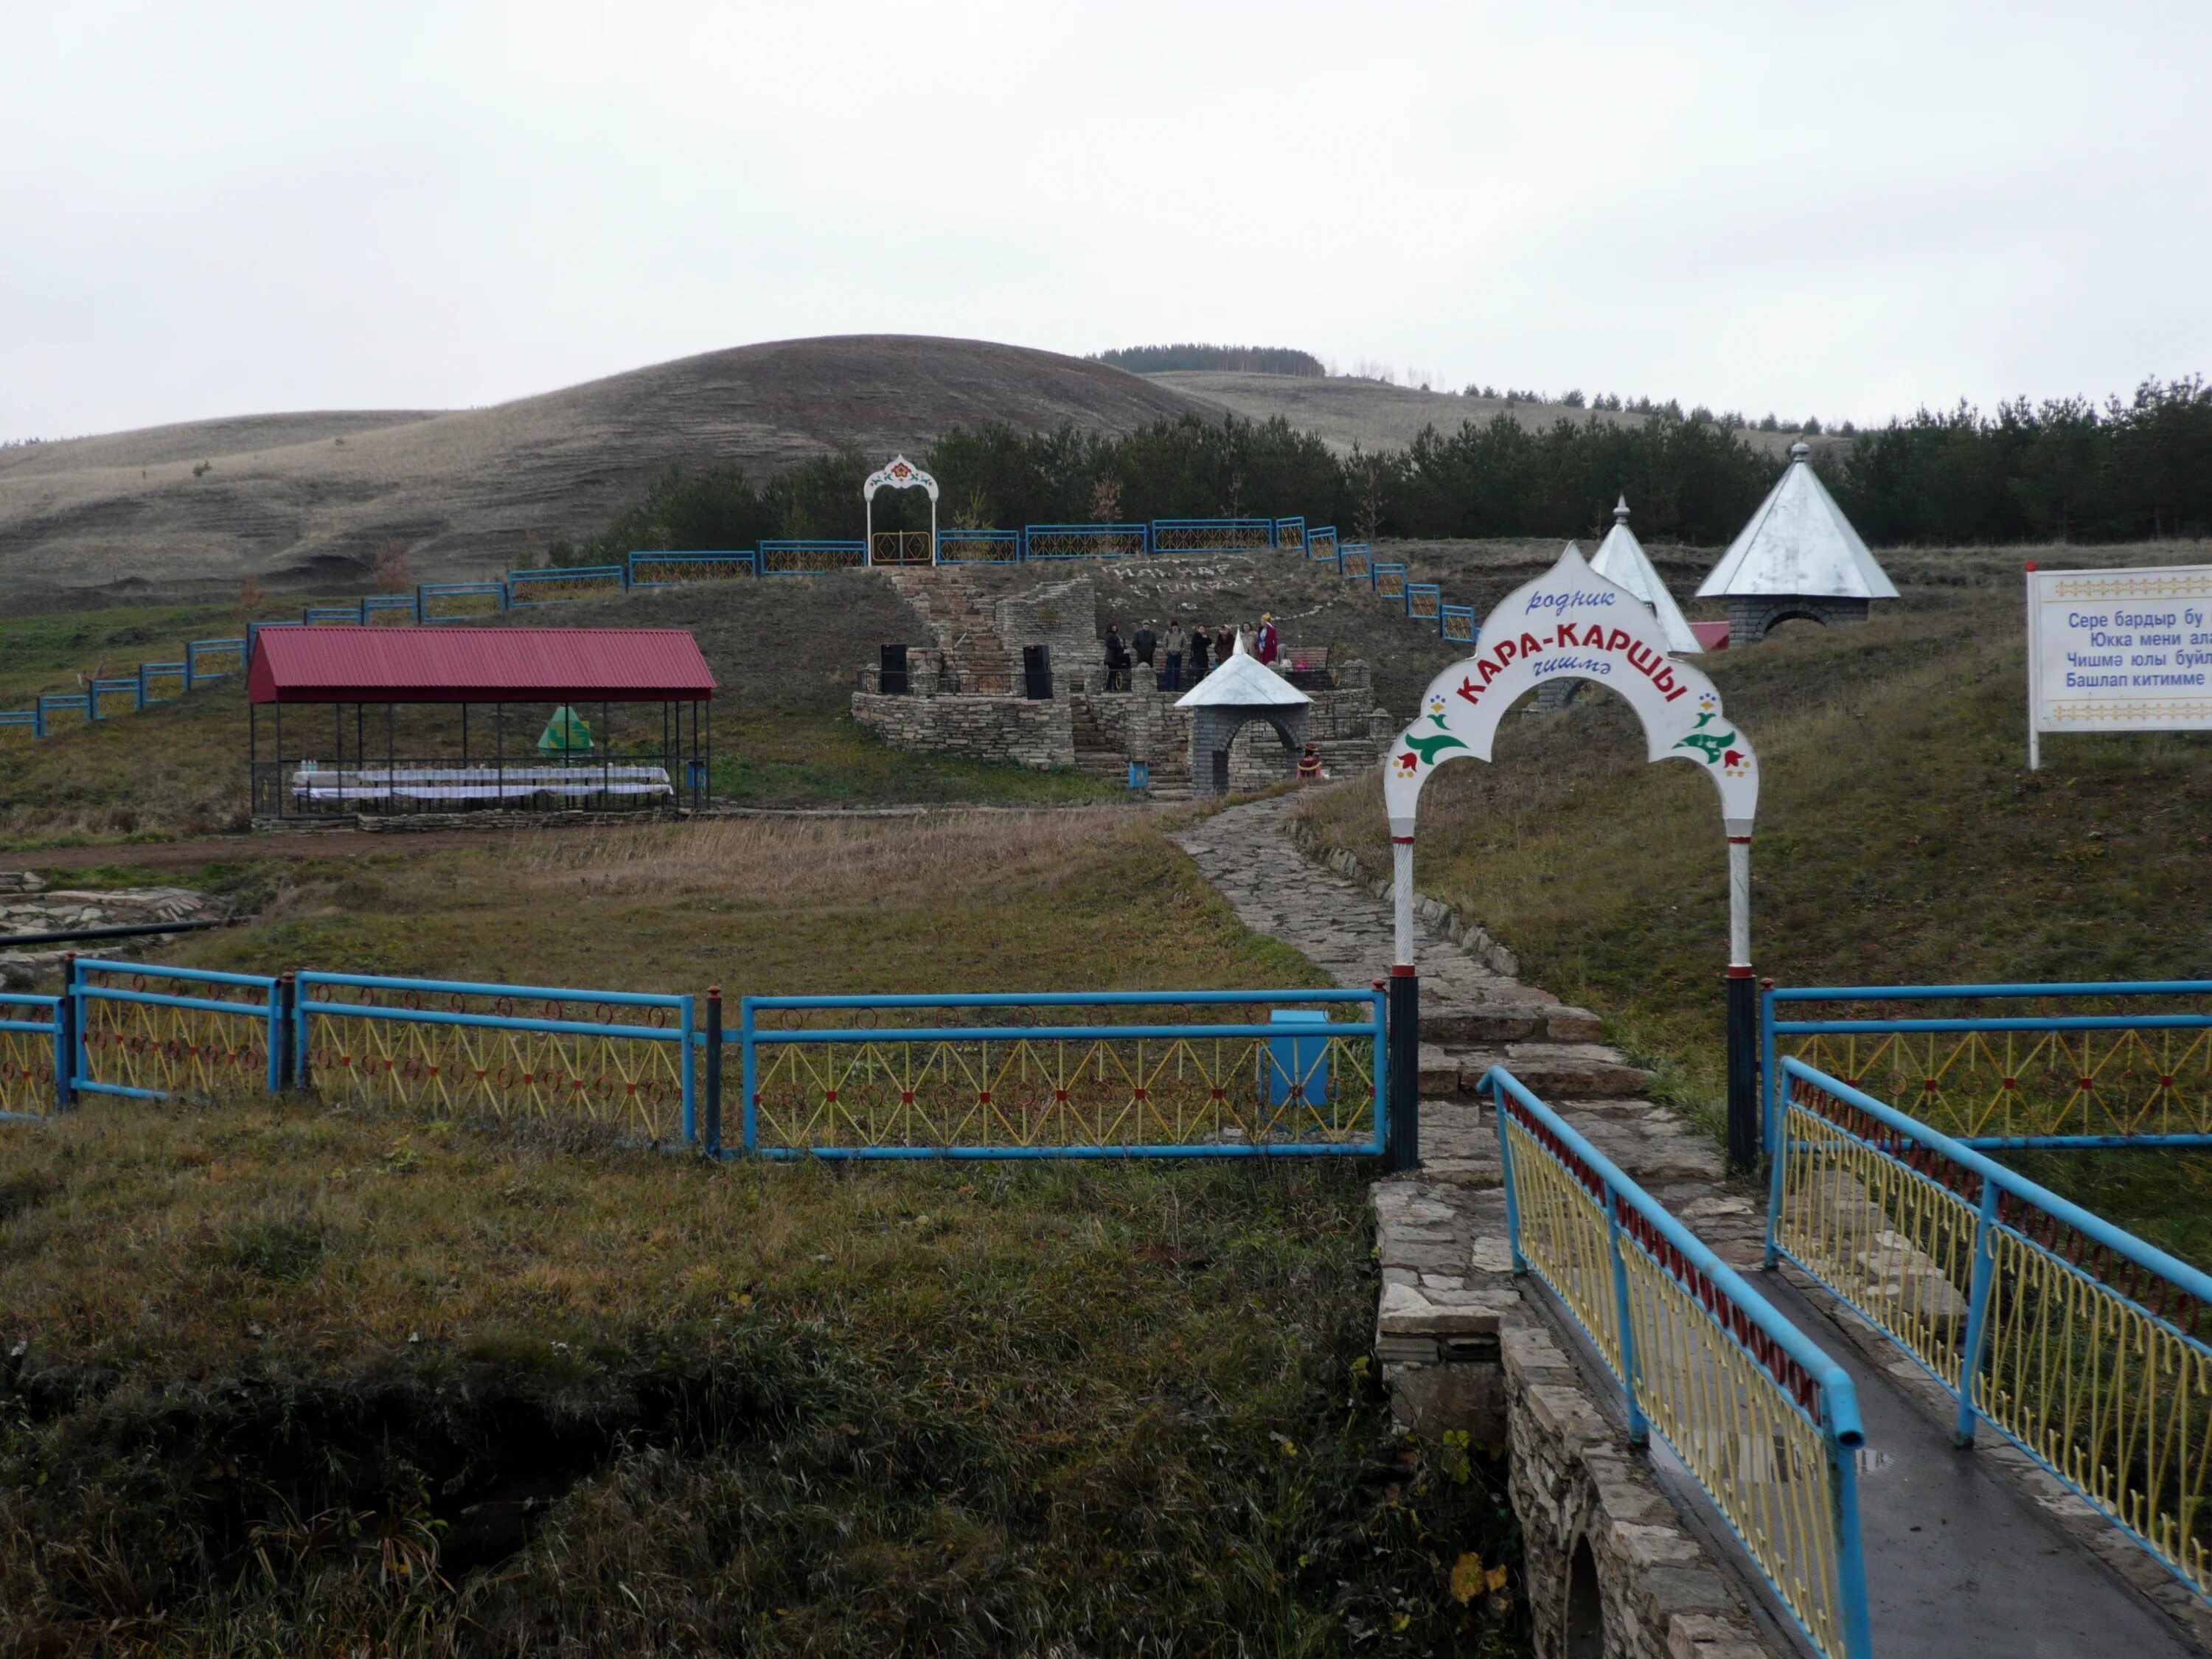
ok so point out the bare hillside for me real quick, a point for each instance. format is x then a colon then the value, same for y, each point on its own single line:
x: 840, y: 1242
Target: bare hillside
x: 314, y: 495
x: 1342, y: 413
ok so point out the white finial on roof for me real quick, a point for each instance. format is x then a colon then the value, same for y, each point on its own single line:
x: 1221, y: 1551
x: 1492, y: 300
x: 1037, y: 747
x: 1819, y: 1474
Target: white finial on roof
x: 1241, y: 680
x: 1620, y: 511
x: 1799, y: 451
x: 1240, y: 650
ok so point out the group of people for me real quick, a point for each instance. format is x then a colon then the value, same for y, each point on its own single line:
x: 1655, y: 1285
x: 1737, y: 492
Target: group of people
x: 1199, y: 652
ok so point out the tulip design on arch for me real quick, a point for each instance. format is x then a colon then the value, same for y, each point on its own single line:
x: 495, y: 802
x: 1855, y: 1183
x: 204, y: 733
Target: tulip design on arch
x: 1425, y: 749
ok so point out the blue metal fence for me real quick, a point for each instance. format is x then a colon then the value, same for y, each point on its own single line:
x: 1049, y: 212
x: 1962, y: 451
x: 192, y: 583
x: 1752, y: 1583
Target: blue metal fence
x: 35, y: 1055
x: 1320, y: 542
x: 103, y: 693
x: 208, y: 1031
x: 2077, y: 1341
x: 582, y: 581
x: 1085, y: 541
x: 806, y: 558
x: 1767, y: 1423
x: 991, y: 1078
x: 1291, y: 534
x: 1457, y: 622
x: 612, y: 1060
x: 437, y: 602
x: 331, y: 616
x: 387, y: 609
x: 212, y: 659
x: 2073, y: 1065
x: 979, y: 546
x: 150, y: 674
x: 669, y: 569
x: 1211, y: 535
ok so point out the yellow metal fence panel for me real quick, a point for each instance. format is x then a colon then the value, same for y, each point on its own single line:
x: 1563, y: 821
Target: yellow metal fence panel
x: 1895, y: 1244
x: 1761, y: 1459
x: 623, y: 1085
x: 27, y: 1073
x: 1564, y: 1236
x: 1973, y: 1083
x: 176, y: 1051
x: 1059, y: 1092
x: 2119, y: 1402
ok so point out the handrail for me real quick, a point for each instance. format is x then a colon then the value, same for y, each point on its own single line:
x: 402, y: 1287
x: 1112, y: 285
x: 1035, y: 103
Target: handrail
x: 2088, y: 1223
x: 2078, y: 1341
x: 1701, y: 1356
x: 1917, y: 992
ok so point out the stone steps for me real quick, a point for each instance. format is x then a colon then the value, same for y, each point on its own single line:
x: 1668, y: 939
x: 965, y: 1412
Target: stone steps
x: 1551, y: 1070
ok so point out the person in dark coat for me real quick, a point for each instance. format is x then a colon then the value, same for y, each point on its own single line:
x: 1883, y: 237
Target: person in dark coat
x: 1201, y: 643
x: 1224, y: 643
x: 1173, y: 679
x: 1144, y: 643
x: 1118, y: 660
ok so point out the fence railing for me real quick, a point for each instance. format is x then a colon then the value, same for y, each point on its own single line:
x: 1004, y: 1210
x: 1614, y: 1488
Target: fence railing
x: 1211, y: 535
x: 798, y: 558
x: 1424, y: 601
x: 996, y: 1076
x: 2078, y: 1342
x: 1389, y: 579
x: 387, y: 610
x: 1320, y: 542
x: 1355, y: 561
x: 437, y: 602
x: 671, y: 569
x: 161, y: 682
x: 979, y: 546
x: 1085, y: 541
x: 1290, y: 535
x: 206, y: 1032
x: 619, y: 1060
x: 1457, y: 622
x: 583, y: 581
x: 2062, y: 1065
x: 213, y: 659
x: 34, y: 1051
x: 331, y: 616
x: 1767, y: 1423
x: 102, y: 697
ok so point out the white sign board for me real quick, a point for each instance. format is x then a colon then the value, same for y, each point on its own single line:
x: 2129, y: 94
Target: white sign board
x: 2119, y: 651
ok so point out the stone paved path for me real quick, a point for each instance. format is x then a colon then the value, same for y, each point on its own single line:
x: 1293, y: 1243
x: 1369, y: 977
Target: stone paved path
x: 2031, y: 1583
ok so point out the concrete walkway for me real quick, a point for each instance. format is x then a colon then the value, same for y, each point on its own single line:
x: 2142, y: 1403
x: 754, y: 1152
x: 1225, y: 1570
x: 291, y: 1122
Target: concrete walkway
x: 1968, y: 1553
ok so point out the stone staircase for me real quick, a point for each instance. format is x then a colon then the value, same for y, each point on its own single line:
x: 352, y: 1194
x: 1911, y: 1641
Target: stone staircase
x: 963, y: 628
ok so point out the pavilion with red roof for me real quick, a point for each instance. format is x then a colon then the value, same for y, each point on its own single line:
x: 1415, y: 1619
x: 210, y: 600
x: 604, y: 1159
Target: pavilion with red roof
x: 386, y: 727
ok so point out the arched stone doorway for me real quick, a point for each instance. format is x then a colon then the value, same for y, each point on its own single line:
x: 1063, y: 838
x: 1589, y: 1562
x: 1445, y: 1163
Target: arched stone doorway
x: 1240, y: 693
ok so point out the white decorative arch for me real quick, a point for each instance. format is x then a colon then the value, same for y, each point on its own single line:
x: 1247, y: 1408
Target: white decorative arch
x: 1570, y: 622
x: 900, y: 474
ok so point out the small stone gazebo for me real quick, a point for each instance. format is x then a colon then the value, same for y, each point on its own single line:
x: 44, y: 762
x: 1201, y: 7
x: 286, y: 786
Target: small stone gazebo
x: 1238, y: 692
x: 1798, y: 556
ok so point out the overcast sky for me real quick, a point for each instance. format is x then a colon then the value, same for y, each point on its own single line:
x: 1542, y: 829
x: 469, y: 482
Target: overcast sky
x: 1843, y: 210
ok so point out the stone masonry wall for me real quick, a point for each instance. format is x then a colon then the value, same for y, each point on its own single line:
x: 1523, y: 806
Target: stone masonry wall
x: 1040, y: 735
x: 1063, y: 618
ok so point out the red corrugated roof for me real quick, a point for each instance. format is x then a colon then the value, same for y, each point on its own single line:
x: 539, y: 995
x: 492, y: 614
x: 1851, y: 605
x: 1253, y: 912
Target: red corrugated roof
x: 477, y: 664
x: 1713, y: 635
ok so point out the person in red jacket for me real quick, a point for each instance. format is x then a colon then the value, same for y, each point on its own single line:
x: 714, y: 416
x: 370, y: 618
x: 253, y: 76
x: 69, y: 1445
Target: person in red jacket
x: 1266, y: 647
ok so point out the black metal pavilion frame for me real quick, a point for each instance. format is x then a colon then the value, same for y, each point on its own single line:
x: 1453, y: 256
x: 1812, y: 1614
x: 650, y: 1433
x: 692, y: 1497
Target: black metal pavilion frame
x: 686, y: 752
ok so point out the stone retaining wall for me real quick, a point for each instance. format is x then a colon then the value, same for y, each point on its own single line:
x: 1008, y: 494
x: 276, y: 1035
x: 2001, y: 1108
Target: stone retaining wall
x: 1038, y: 735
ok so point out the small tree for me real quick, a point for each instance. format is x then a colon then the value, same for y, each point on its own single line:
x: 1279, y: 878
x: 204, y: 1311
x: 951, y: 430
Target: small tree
x: 1106, y: 500
x: 390, y: 571
x: 252, y: 596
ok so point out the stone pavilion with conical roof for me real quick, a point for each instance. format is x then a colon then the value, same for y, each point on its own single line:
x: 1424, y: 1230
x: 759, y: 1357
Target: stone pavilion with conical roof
x: 1798, y: 556
x: 1238, y: 692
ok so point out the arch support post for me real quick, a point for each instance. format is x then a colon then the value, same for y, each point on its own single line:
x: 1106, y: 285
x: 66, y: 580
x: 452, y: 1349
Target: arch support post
x: 1743, y: 1129
x: 1402, y: 1148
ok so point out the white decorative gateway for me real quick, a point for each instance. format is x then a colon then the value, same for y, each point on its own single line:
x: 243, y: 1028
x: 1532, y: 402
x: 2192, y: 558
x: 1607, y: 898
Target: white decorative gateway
x: 1570, y: 622
x: 900, y: 474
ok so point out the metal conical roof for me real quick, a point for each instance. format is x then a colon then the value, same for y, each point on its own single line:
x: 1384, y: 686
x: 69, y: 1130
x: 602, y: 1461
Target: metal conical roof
x: 1621, y: 560
x: 1798, y: 541
x: 1243, y: 682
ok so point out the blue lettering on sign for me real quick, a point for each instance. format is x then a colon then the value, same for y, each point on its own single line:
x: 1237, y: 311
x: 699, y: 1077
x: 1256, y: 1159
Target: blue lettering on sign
x: 2144, y: 619
x: 1563, y: 603
x: 2112, y: 639
x: 2076, y: 619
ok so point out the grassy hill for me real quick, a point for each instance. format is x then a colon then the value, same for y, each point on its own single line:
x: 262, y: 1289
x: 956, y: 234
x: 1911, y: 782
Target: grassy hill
x: 1343, y: 412
x: 312, y: 495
